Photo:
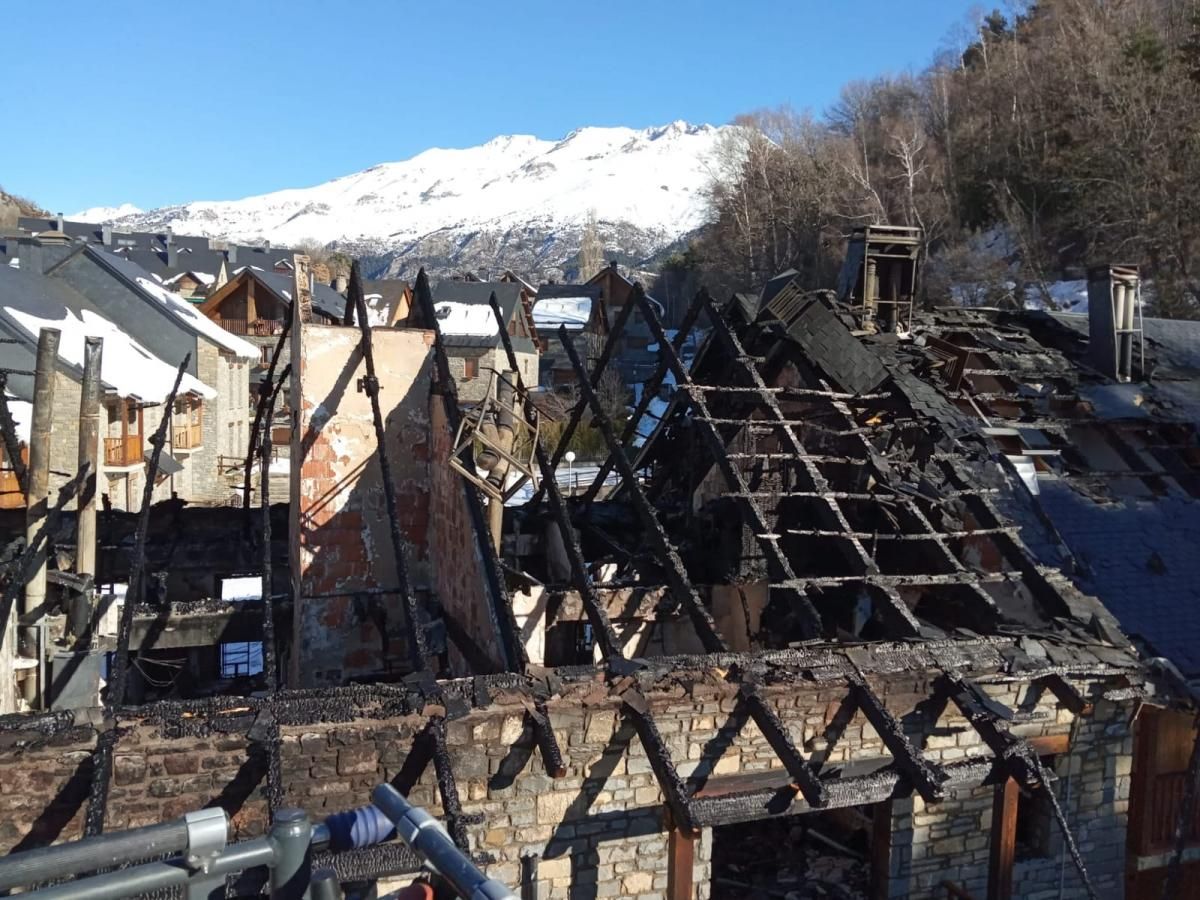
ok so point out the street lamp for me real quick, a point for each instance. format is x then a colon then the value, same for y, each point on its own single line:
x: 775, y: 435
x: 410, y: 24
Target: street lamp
x: 569, y: 456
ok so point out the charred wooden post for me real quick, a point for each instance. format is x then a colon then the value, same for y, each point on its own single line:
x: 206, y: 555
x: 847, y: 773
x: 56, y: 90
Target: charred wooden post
x: 133, y: 594
x: 733, y: 476
x: 681, y: 585
x: 650, y: 388
x: 606, y: 355
x: 499, y: 430
x: 1183, y: 824
x: 89, y: 467
x: 37, y: 504
x: 1004, y: 840
x: 417, y: 648
x: 1018, y: 756
x: 447, y: 787
x: 547, y: 743
x: 502, y: 609
x: 264, y: 394
x: 606, y: 638
x: 780, y: 739
x: 269, y: 663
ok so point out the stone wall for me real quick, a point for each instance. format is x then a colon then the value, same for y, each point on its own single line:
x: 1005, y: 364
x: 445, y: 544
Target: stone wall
x: 472, y: 390
x: 599, y: 830
x: 348, y: 618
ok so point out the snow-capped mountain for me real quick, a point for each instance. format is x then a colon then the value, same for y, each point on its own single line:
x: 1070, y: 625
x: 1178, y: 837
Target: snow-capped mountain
x: 101, y: 214
x: 515, y: 202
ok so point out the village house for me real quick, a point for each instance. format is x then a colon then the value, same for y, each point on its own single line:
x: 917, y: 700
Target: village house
x: 136, y: 384
x: 579, y: 309
x: 473, y: 343
x: 389, y: 300
x: 636, y: 355
x: 170, y: 328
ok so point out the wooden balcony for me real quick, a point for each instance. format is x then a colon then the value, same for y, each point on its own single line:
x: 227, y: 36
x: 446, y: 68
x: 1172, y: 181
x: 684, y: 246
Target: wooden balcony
x: 256, y: 328
x: 121, y: 452
x: 11, y: 495
x: 187, y: 438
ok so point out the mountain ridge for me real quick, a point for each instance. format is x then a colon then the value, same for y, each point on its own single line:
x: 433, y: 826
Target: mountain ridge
x: 515, y: 201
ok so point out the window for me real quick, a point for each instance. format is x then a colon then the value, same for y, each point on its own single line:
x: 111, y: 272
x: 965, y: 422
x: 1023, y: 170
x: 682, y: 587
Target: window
x: 470, y: 367
x: 264, y: 354
x: 1035, y: 822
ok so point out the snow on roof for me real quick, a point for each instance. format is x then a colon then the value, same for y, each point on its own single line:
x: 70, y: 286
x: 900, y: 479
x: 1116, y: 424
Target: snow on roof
x: 465, y: 319
x: 128, y: 367
x: 203, y: 277
x: 22, y: 415
x: 201, y: 323
x: 552, y: 312
x: 377, y: 309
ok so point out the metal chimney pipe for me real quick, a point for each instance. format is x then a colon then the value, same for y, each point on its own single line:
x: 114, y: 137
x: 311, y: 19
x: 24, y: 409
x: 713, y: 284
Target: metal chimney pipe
x: 1127, y: 324
x: 89, y: 465
x: 37, y: 499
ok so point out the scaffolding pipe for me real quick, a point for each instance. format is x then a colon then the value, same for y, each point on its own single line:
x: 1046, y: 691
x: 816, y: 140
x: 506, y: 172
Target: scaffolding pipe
x: 37, y: 499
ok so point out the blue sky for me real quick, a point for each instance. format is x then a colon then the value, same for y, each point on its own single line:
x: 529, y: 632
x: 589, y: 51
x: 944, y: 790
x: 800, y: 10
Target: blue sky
x: 164, y: 102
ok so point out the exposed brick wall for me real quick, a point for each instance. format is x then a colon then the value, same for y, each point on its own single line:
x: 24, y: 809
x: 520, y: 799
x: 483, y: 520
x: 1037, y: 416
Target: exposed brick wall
x: 599, y: 829
x: 458, y: 573
x: 340, y: 528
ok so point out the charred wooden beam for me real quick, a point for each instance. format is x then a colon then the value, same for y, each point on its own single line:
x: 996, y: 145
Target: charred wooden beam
x: 928, y: 779
x: 732, y: 475
x: 675, y: 791
x: 1003, y: 840
x: 606, y: 354
x: 510, y: 633
x: 602, y: 628
x: 265, y: 394
x: 552, y: 757
x: 649, y: 390
x: 681, y: 585
x: 780, y: 739
x: 268, y: 612
x: 1066, y: 694
x: 447, y: 787
x: 417, y: 648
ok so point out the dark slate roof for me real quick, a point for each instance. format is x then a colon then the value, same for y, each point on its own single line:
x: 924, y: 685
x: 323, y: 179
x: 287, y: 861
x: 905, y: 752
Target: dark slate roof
x: 1142, y: 562
x: 325, y: 299
x: 508, y: 295
x: 830, y: 345
x: 551, y: 291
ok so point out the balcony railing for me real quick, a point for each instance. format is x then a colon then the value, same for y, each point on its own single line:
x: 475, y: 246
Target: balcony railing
x: 126, y: 451
x: 257, y: 328
x: 187, y: 437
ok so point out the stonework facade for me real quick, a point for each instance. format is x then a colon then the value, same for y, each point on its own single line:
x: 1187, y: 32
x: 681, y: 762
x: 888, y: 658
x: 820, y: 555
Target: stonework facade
x: 600, y: 830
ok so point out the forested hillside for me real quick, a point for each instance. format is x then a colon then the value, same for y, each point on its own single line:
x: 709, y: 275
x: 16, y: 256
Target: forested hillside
x: 1061, y: 136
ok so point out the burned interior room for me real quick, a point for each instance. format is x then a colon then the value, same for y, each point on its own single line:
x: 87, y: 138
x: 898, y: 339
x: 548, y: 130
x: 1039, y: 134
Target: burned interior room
x: 812, y: 617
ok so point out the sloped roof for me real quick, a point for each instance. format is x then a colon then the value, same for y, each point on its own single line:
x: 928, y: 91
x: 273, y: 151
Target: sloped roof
x: 478, y: 294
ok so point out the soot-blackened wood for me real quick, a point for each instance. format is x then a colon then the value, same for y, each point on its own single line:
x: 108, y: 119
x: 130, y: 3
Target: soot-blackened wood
x: 673, y: 787
x: 810, y: 618
x: 447, y: 788
x: 681, y: 861
x: 516, y: 656
x: 780, y: 739
x: 417, y: 649
x: 269, y: 665
x: 1004, y: 840
x: 547, y: 743
x: 677, y: 578
x: 649, y: 392
x: 1183, y: 825
x: 264, y: 395
x: 133, y: 594
x: 602, y: 628
x: 606, y: 354
x: 926, y: 777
